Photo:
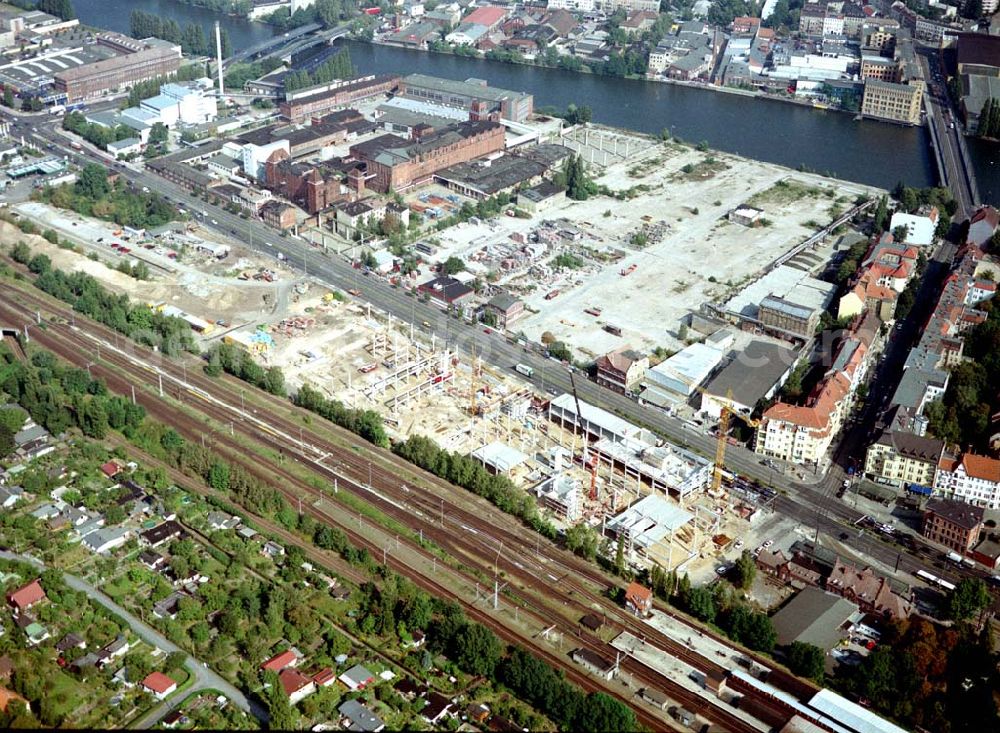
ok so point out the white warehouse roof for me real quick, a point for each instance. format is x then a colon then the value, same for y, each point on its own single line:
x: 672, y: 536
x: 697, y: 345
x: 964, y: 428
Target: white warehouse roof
x: 850, y: 714
x: 687, y: 368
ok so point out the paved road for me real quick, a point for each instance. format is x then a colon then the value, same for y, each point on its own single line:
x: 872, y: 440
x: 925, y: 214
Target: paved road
x: 960, y: 176
x: 205, y: 678
x: 810, y: 499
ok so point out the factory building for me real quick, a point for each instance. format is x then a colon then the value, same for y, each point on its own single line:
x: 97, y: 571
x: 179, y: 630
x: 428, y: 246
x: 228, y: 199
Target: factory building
x: 473, y: 95
x: 157, y: 58
x: 395, y: 164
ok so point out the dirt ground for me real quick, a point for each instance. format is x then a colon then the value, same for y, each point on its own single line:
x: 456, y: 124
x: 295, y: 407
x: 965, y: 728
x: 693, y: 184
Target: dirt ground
x: 672, y: 228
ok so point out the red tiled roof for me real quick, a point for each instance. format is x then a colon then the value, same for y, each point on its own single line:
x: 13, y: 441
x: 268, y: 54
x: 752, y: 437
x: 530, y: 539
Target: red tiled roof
x: 292, y: 681
x: 158, y: 682
x: 982, y: 467
x: 279, y: 661
x: 487, y: 15
x: 639, y: 592
x: 27, y: 595
x: 110, y: 469
x: 324, y: 677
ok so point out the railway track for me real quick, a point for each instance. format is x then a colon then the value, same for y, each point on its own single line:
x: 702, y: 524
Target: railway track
x: 474, y: 536
x: 292, y: 488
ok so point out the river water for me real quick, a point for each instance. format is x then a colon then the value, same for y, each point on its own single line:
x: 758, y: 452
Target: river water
x: 827, y: 142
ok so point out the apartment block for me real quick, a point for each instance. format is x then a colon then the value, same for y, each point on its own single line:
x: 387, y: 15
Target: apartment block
x: 803, y: 433
x: 899, y: 458
x: 893, y: 102
x: 972, y: 479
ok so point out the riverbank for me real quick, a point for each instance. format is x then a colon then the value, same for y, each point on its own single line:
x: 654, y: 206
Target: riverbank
x: 755, y: 94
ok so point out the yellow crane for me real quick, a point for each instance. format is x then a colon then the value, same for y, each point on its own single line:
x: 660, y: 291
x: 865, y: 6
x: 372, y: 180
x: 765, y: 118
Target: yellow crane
x: 720, y: 446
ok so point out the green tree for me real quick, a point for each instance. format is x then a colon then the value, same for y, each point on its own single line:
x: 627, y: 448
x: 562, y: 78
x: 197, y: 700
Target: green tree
x: 601, y: 712
x: 968, y: 599
x: 746, y: 570
x: 8, y: 97
x: 478, y: 650
x: 7, y: 444
x: 880, y: 219
x: 807, y: 660
x: 158, y: 133
x: 92, y: 182
x: 583, y: 540
x: 174, y: 661
x: 218, y: 476
x: 453, y: 265
x: 281, y: 714
x: 700, y: 603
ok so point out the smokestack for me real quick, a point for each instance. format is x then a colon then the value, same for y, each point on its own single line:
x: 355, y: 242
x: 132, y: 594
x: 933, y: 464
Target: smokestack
x: 218, y: 54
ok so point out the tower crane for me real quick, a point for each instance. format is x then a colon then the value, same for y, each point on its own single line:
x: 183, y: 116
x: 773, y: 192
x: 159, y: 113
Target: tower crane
x: 586, y: 453
x: 720, y: 447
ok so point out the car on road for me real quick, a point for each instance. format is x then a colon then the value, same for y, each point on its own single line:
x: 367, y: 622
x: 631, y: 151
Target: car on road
x: 723, y: 569
x: 767, y: 544
x: 844, y: 536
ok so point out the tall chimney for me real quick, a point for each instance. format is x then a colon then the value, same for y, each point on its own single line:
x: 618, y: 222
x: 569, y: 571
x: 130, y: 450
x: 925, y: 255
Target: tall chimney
x: 218, y: 55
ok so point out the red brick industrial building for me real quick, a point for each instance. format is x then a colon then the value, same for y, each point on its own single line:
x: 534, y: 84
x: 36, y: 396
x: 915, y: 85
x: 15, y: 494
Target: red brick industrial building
x: 157, y: 58
x: 393, y: 163
x: 299, y: 107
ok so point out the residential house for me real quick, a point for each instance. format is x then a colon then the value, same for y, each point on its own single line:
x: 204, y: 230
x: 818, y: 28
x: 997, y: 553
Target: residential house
x: 278, y: 215
x: 10, y: 495
x: 871, y: 592
x: 71, y: 641
x: 159, y: 684
x: 868, y: 293
x: 639, y: 22
x: 222, y: 521
x: 638, y: 599
x: 163, y: 533
x: 438, y: 706
x: 360, y: 718
x: 803, y: 433
x: 351, y: 217
x: 505, y: 308
x: 111, y: 469
x: 295, y: 684
x: 954, y: 524
x: 356, y: 678
x: 621, y: 369
x: 115, y: 650
x: 899, y: 458
x: 280, y: 661
x: 982, y: 226
x: 152, y: 560
x: 103, y: 541
x: 972, y: 479
x: 36, y: 633
x: 26, y: 596
x: 272, y: 549
x: 324, y: 677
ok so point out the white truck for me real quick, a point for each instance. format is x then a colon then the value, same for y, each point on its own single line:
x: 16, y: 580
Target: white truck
x: 525, y: 370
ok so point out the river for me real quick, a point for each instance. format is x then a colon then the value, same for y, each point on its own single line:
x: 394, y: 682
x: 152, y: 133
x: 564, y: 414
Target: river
x: 824, y: 141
